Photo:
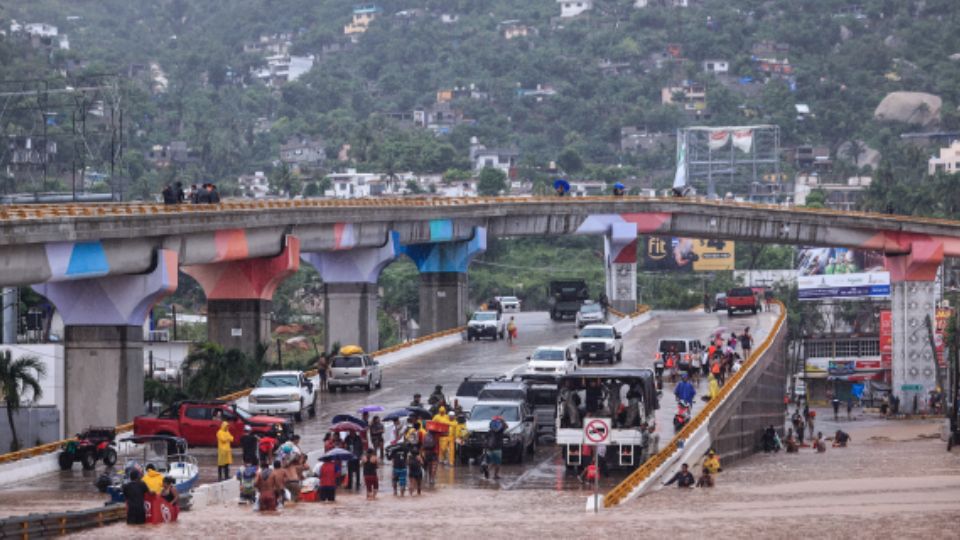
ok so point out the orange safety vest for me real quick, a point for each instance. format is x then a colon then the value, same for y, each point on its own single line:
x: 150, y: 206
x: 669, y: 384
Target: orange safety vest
x: 715, y: 368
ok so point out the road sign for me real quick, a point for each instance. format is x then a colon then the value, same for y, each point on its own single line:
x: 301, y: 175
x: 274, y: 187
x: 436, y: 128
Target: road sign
x: 911, y: 387
x: 596, y: 431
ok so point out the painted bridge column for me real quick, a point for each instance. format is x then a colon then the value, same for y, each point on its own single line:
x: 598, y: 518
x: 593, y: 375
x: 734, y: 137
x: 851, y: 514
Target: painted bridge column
x: 443, y: 279
x: 103, y: 358
x: 620, y: 262
x: 240, y: 295
x: 350, y: 292
x: 913, y: 299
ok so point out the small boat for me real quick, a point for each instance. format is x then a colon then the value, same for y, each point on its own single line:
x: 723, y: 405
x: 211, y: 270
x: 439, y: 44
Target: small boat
x: 168, y: 454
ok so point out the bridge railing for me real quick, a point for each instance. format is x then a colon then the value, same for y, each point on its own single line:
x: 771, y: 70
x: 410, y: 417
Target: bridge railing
x: 57, y: 445
x: 60, y: 523
x: 642, y: 473
x: 97, y: 210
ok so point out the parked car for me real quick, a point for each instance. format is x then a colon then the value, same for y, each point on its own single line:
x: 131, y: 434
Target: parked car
x: 551, y: 361
x: 357, y: 369
x: 688, y: 350
x: 505, y: 391
x: 720, y: 302
x: 742, y: 299
x: 598, y: 343
x: 591, y: 313
x: 520, y: 436
x: 509, y: 304
x: 470, y: 388
x: 486, y: 324
x: 284, y: 393
x: 197, y: 422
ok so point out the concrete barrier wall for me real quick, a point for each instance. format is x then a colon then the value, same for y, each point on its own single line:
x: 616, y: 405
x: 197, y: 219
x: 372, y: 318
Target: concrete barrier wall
x: 753, y: 399
x: 736, y: 427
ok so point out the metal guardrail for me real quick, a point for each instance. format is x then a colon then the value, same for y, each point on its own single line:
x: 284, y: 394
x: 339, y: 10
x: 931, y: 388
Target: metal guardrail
x: 640, y: 311
x: 55, y: 446
x: 60, y: 523
x: 620, y: 492
x: 100, y: 210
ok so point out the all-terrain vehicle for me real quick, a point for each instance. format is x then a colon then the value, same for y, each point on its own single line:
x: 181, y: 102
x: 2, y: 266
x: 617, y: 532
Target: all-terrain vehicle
x: 96, y: 443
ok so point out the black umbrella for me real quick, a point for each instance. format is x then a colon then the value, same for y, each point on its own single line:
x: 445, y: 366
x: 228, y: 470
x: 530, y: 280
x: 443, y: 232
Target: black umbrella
x: 397, y: 415
x: 419, y: 412
x: 348, y: 418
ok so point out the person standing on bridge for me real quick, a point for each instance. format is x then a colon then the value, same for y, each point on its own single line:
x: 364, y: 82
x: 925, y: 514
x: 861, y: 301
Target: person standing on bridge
x: 619, y: 190
x: 746, y: 342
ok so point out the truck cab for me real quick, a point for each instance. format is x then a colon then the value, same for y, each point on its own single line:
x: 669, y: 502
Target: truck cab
x: 742, y: 299
x: 197, y: 422
x: 520, y: 436
x: 486, y: 324
x: 284, y: 393
x: 599, y: 343
x: 565, y: 298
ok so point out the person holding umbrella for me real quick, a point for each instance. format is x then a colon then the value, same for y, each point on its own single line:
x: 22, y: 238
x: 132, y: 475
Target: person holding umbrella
x: 619, y: 189
x: 561, y: 187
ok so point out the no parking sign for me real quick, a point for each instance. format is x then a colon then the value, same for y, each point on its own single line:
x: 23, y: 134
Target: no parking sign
x: 596, y: 431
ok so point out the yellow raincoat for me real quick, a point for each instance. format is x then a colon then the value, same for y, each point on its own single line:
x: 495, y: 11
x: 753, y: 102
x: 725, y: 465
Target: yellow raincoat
x: 712, y: 464
x: 457, y: 431
x: 714, y: 389
x: 153, y: 480
x: 224, y: 439
x: 446, y: 442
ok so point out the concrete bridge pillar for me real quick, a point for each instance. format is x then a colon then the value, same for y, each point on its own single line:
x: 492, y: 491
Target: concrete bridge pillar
x: 913, y: 300
x: 103, y: 359
x: 620, y: 263
x: 443, y: 279
x: 240, y: 295
x: 350, y: 292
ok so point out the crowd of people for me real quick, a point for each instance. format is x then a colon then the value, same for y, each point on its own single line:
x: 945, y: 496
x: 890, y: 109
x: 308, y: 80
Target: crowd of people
x: 354, y: 451
x: 204, y: 194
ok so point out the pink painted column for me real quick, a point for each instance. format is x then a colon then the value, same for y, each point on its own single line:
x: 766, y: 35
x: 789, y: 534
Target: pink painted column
x: 240, y: 295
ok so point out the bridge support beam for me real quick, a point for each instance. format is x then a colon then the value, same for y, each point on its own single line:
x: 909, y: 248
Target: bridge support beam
x: 620, y: 263
x: 240, y: 296
x: 443, y: 280
x: 913, y: 302
x: 103, y: 358
x: 350, y: 293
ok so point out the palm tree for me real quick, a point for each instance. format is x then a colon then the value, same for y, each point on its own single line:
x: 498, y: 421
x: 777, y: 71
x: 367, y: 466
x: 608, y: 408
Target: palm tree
x: 17, y: 377
x: 216, y: 372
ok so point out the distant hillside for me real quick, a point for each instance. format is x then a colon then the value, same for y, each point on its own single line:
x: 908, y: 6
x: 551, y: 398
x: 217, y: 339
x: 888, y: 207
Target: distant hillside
x: 559, y: 89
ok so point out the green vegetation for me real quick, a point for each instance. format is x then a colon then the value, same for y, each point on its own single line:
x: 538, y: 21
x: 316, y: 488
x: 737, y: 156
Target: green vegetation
x: 845, y: 58
x: 19, y: 379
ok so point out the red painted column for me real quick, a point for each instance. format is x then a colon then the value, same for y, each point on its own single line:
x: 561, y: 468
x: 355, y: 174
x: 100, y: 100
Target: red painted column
x: 240, y: 295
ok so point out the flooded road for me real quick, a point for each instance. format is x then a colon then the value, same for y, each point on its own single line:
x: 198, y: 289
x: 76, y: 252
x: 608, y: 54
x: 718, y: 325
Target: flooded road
x: 542, y: 471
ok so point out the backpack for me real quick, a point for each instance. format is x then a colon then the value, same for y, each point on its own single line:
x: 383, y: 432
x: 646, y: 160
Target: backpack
x: 247, y: 482
x: 429, y: 440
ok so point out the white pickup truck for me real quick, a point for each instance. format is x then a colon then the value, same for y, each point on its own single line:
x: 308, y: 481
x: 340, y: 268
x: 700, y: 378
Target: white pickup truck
x: 284, y: 393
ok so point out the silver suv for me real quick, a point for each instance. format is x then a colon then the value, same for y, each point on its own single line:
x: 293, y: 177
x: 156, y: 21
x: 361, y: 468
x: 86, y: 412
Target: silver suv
x: 519, y: 438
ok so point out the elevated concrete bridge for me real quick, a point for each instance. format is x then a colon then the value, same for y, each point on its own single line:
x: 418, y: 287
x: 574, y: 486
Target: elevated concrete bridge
x: 104, y: 266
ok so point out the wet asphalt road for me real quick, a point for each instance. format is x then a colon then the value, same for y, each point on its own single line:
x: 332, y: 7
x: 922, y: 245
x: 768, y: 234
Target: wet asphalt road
x: 448, y: 367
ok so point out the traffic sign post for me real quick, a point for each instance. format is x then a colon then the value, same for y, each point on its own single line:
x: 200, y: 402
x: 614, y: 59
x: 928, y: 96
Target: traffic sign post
x: 596, y: 432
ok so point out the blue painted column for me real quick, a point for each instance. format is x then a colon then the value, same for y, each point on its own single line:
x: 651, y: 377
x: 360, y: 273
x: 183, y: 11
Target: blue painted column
x: 443, y: 276
x: 103, y: 345
x: 350, y: 292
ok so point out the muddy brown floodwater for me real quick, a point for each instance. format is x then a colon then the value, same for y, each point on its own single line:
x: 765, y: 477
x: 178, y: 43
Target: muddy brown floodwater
x: 895, y: 480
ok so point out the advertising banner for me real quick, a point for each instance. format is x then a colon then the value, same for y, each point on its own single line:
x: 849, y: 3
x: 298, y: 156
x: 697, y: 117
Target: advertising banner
x: 840, y: 273
x: 845, y: 369
x: 886, y: 335
x: 687, y: 254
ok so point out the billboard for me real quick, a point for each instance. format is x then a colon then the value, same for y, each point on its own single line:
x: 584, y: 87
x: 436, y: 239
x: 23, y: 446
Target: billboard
x: 845, y: 368
x: 886, y: 335
x: 840, y: 273
x: 686, y: 254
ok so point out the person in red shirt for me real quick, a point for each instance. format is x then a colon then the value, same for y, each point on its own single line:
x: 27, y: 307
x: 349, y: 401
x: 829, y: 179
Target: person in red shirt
x: 328, y: 481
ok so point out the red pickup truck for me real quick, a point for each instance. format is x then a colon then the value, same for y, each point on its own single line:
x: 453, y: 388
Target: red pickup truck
x: 742, y: 299
x: 199, y: 421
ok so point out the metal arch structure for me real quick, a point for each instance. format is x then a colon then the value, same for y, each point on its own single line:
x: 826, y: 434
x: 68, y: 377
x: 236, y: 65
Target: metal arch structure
x: 748, y: 164
x: 77, y: 122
